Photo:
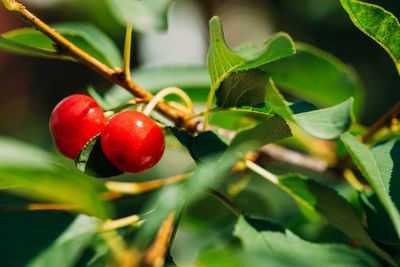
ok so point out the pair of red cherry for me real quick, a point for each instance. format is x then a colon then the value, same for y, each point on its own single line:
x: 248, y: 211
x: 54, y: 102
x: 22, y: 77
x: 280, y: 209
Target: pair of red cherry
x: 131, y: 140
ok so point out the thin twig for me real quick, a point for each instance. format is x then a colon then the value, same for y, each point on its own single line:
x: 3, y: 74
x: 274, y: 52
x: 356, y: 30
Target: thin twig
x: 65, y: 47
x: 286, y: 156
x: 123, y: 256
x: 382, y: 122
x: 42, y: 206
x: 138, y: 188
x: 119, y: 223
x: 155, y: 255
x: 262, y: 172
x: 228, y: 203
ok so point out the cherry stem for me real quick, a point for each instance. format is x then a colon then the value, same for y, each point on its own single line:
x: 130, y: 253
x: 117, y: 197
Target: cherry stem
x: 208, y: 107
x: 209, y: 111
x: 224, y: 200
x: 129, y: 103
x: 351, y: 178
x: 109, y: 225
x: 127, y: 52
x: 138, y: 188
x: 262, y: 172
x: 168, y: 91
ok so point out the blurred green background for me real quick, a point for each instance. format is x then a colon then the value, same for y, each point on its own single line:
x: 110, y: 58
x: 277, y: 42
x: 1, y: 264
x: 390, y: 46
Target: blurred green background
x: 31, y: 87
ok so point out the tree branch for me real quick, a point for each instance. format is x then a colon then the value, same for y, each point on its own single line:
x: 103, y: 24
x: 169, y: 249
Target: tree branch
x: 67, y: 48
x: 229, y: 204
x: 383, y: 121
x: 283, y: 155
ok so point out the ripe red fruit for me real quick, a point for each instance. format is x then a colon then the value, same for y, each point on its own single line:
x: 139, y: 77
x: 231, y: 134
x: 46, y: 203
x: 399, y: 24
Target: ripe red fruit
x: 132, y: 141
x: 74, y: 121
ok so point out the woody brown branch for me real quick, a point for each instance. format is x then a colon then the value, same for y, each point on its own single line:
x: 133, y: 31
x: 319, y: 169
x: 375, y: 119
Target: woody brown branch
x: 382, y: 122
x: 65, y: 47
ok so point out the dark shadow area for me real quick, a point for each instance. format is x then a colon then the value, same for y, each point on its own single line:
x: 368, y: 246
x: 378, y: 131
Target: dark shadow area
x: 25, y: 234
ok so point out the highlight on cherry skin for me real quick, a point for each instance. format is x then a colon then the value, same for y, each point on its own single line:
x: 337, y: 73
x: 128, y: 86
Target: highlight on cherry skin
x: 133, y: 141
x: 74, y: 121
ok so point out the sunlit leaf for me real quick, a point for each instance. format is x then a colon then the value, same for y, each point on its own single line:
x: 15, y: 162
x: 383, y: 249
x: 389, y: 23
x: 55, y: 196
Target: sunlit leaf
x: 316, y: 76
x: 379, y: 165
x: 222, y: 62
x: 314, y: 198
x: 327, y: 123
x: 382, y: 26
x: 268, y: 238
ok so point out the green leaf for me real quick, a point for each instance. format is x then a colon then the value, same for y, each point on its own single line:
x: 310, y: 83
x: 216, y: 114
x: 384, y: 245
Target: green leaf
x: 379, y: 224
x: 297, y: 187
x: 206, y: 144
x: 379, y: 165
x: 20, y: 48
x: 316, y: 76
x: 193, y: 79
x: 222, y: 61
x: 28, y: 172
x: 97, y: 254
x: 201, y: 146
x: 144, y: 16
x: 85, y: 36
x: 245, y: 88
x: 267, y: 238
x: 183, y: 136
x: 313, y: 197
x: 58, y: 186
x: 16, y: 154
x: 69, y: 246
x: 233, y: 257
x: 268, y: 132
x: 239, y: 118
x: 382, y: 26
x: 327, y: 123
x: 92, y: 160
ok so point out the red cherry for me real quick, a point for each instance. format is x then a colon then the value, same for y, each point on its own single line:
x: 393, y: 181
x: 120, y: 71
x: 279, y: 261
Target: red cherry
x: 132, y: 141
x: 74, y: 121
